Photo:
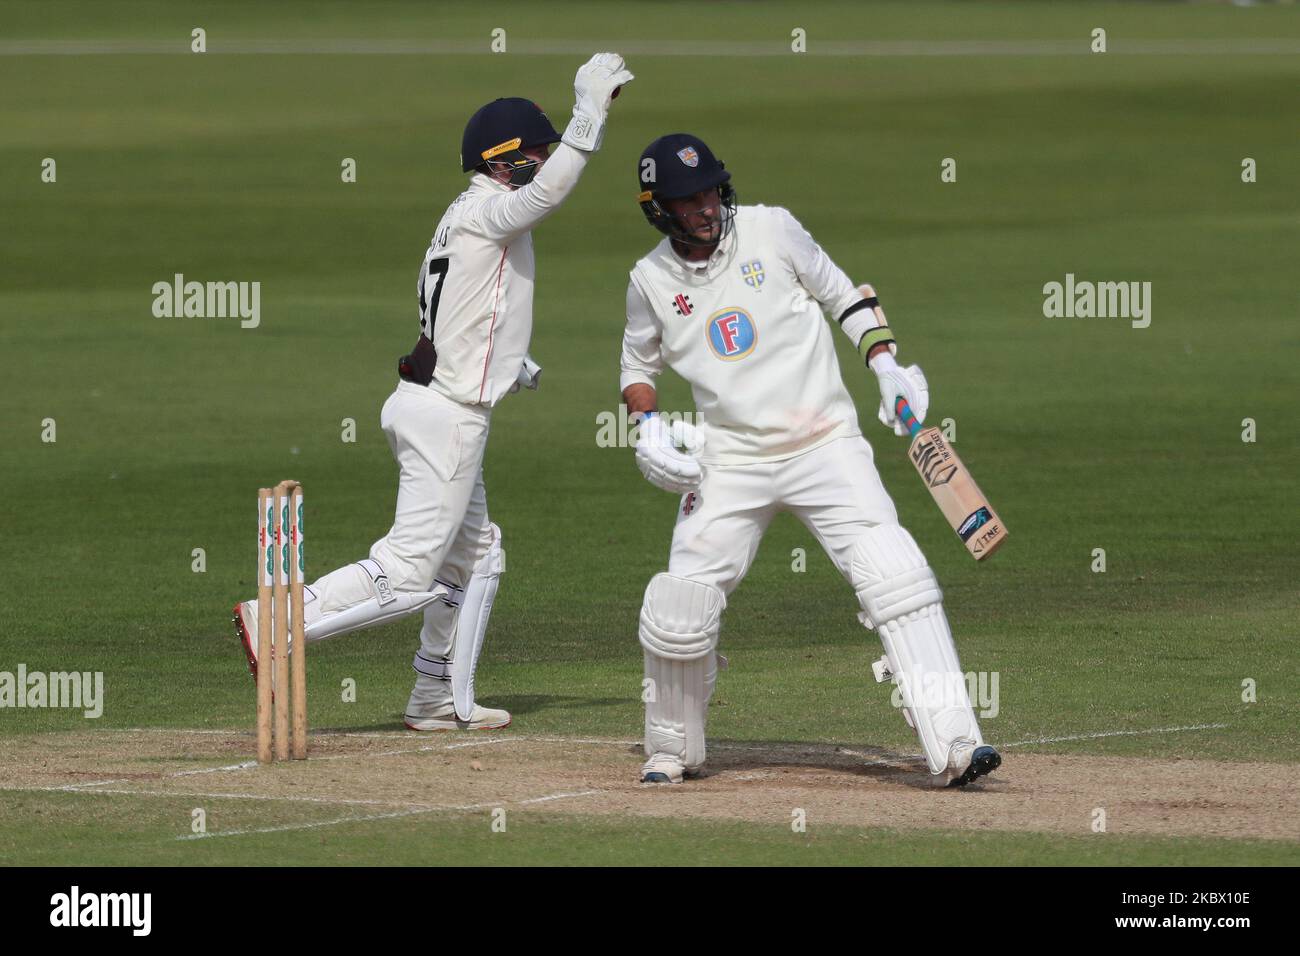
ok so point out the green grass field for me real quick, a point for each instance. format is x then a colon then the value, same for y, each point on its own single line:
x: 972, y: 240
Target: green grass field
x: 1086, y: 433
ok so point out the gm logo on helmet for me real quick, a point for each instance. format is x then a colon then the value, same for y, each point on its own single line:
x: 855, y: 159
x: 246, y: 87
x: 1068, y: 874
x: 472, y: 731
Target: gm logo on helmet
x: 731, y: 334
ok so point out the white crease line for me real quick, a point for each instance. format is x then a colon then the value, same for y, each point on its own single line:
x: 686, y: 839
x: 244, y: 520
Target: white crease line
x: 95, y: 786
x: 175, y: 730
x: 83, y: 786
x: 427, y: 748
x: 1115, y: 733
x: 412, y: 734
x: 341, y: 801
x: 559, y: 796
x: 322, y: 823
x: 386, y: 816
x: 874, y: 760
x: 243, y: 765
x: 485, y: 742
x: 75, y: 787
x: 382, y: 735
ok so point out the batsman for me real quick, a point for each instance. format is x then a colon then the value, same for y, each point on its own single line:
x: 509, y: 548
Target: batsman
x: 443, y: 556
x: 732, y: 299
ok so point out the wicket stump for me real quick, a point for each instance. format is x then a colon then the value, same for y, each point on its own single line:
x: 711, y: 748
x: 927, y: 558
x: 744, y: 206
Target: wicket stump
x: 281, y: 567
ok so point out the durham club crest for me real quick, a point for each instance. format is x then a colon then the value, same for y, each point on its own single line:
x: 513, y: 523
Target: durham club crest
x: 753, y: 273
x: 689, y: 156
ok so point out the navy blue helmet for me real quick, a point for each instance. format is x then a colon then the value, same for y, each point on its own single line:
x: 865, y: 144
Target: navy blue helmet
x: 676, y: 166
x: 500, y: 131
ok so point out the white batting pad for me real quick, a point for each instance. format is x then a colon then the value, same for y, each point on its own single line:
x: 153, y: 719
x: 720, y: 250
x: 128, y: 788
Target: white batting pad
x: 471, y: 627
x: 680, y: 619
x: 901, y: 598
x: 375, y: 601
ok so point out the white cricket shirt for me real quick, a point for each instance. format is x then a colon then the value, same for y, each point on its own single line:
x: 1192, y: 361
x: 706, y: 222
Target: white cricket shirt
x: 476, y: 282
x: 745, y: 329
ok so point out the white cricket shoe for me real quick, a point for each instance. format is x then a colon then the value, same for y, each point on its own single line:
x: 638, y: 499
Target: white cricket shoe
x: 444, y: 718
x: 245, y: 621
x: 663, y: 768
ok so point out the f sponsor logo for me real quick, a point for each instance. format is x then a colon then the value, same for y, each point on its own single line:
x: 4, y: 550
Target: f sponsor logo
x: 731, y: 334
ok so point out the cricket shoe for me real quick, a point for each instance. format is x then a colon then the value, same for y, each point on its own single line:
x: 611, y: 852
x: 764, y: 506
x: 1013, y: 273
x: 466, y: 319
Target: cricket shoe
x: 665, y: 768
x: 444, y: 718
x: 245, y: 621
x: 984, y: 760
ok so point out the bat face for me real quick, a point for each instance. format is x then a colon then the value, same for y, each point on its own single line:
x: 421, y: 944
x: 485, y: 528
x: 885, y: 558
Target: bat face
x: 955, y: 492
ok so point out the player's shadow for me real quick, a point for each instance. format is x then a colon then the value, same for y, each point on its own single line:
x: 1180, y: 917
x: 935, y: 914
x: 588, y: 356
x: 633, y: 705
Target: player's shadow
x: 518, y: 705
x: 731, y: 758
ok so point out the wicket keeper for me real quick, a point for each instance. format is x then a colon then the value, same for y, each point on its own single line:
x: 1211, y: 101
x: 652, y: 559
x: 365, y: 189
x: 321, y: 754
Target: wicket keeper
x: 442, y: 555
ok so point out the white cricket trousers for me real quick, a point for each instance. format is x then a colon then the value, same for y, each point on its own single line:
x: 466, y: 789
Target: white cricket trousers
x: 833, y: 489
x: 440, y: 528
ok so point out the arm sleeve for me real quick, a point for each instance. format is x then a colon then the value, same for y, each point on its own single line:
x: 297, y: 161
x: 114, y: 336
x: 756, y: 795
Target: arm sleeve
x: 823, y: 279
x: 641, y: 360
x: 509, y: 214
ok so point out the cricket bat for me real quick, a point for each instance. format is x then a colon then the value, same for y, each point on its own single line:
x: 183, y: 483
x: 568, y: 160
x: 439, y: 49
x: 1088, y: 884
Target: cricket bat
x: 952, y: 487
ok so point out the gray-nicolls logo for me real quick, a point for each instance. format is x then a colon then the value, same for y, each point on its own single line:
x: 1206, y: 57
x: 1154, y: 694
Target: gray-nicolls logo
x: 75, y: 909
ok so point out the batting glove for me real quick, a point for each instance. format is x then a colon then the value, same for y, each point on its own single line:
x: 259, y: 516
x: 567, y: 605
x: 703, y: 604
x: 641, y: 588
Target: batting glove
x: 660, y: 460
x: 895, y: 381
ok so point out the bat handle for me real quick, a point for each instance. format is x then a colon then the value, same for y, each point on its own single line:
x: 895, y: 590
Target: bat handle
x: 905, y: 415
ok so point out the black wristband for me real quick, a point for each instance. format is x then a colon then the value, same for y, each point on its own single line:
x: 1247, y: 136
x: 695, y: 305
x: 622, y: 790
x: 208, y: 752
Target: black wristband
x: 869, y: 303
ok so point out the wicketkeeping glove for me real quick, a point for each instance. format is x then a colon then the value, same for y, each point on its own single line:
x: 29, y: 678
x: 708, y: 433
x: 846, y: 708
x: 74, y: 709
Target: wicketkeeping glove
x: 597, y: 83
x: 660, y: 460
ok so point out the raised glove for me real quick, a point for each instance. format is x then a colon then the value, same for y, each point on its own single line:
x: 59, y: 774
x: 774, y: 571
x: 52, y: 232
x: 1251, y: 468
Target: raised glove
x: 597, y: 83
x: 660, y: 460
x: 895, y: 380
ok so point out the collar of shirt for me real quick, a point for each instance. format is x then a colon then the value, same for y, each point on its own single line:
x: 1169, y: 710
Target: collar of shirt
x: 482, y: 182
x: 705, y: 267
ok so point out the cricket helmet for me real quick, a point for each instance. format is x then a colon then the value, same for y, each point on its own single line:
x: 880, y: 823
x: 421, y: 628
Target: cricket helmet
x: 676, y: 166
x: 500, y: 131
